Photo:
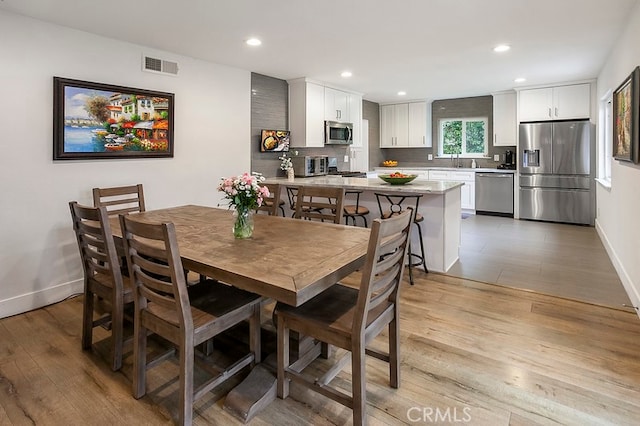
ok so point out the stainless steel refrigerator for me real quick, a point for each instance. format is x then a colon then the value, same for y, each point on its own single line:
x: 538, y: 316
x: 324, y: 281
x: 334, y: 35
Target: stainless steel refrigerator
x: 556, y: 180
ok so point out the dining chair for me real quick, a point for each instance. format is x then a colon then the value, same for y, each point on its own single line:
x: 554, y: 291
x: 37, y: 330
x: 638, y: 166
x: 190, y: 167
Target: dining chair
x: 102, y: 277
x: 396, y: 204
x: 120, y: 200
x: 322, y: 203
x: 350, y: 318
x: 353, y: 211
x: 273, y: 202
x: 163, y: 306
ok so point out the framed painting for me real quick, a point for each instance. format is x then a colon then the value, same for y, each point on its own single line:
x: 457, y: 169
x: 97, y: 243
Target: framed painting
x: 102, y: 121
x: 626, y: 118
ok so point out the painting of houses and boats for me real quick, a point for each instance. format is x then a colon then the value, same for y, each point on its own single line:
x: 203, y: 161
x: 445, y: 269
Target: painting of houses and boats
x: 96, y: 121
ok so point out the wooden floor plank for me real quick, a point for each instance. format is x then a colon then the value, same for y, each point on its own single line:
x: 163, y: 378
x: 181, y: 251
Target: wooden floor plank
x: 510, y: 357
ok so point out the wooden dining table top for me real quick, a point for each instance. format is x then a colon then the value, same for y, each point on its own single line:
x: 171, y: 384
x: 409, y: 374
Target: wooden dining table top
x: 289, y: 260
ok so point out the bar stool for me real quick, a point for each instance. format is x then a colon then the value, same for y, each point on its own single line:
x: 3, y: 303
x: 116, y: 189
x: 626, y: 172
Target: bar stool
x: 354, y: 211
x: 396, y: 205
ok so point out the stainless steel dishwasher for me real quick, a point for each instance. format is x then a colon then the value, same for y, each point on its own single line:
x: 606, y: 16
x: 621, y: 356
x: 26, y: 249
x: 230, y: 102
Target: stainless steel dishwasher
x: 494, y: 193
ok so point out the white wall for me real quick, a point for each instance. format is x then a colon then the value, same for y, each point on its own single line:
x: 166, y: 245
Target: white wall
x: 39, y: 260
x: 618, y: 219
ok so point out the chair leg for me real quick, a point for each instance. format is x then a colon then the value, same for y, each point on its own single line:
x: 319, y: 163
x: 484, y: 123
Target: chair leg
x: 283, y: 213
x: 87, y: 320
x: 358, y: 380
x: 139, y: 358
x: 117, y: 333
x: 186, y: 383
x: 366, y: 225
x: 394, y: 352
x: 283, y: 358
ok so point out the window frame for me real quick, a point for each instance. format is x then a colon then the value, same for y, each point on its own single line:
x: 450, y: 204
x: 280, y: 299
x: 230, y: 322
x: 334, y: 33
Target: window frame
x: 605, y: 139
x: 464, y: 120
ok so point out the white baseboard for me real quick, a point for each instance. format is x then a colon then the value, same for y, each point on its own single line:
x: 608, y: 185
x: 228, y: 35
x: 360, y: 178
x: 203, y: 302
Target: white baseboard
x: 37, y: 299
x: 631, y: 290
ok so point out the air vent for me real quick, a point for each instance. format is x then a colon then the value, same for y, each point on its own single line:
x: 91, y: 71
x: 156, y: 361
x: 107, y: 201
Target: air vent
x: 159, y: 65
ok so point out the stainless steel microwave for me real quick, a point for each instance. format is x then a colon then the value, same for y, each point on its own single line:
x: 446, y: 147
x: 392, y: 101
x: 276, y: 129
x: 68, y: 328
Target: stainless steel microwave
x: 337, y: 133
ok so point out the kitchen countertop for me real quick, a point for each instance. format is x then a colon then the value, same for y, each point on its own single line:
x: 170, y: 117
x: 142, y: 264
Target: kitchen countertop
x: 365, y: 184
x: 457, y: 169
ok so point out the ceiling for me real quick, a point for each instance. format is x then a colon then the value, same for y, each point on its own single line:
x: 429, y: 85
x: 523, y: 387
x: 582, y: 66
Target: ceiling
x: 431, y: 49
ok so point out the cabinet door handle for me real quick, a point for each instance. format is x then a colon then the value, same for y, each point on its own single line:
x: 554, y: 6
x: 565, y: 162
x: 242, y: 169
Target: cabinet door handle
x: 424, y: 140
x: 495, y: 139
x: 556, y: 111
x: 550, y: 112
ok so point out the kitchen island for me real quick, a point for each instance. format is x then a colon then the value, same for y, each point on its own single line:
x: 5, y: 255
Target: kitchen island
x: 440, y: 207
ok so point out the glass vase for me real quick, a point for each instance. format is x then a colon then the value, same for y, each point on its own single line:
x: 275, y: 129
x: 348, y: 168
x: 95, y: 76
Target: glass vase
x: 243, y: 223
x: 290, y: 175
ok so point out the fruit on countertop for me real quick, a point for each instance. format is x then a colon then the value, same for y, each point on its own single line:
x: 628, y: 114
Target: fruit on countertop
x: 389, y: 163
x: 398, y: 175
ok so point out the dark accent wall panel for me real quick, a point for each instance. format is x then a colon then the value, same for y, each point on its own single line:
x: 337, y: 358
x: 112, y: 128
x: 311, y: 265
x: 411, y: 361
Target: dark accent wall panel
x: 269, y: 110
x: 371, y: 112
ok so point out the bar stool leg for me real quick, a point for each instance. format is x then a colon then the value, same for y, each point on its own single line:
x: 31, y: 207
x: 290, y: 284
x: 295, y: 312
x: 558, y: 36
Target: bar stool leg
x: 424, y: 259
x: 410, y: 264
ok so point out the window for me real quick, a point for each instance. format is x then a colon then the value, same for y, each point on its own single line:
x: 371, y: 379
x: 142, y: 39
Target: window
x: 605, y: 140
x: 466, y: 137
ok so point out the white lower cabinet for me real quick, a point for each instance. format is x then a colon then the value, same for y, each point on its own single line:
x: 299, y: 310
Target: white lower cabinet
x: 468, y: 190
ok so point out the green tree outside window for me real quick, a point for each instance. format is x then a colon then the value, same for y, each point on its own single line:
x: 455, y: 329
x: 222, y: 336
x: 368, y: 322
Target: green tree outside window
x: 464, y: 137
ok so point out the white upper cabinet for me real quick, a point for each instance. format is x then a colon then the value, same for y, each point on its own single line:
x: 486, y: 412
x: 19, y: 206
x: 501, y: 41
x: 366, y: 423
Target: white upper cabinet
x: 504, y: 119
x: 418, y: 124
x: 555, y: 103
x: 336, y: 105
x: 310, y: 104
x: 404, y: 125
x: 572, y: 101
x: 306, y: 113
x: 394, y: 126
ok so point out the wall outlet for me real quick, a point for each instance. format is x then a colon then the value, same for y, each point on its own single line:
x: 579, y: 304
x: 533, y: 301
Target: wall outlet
x: 429, y: 157
x: 496, y: 157
x: 346, y: 158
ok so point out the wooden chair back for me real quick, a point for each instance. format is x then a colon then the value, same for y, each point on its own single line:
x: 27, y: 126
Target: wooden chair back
x: 120, y: 200
x: 384, y: 267
x: 156, y: 271
x: 271, y: 203
x: 95, y: 241
x: 102, y: 277
x: 320, y: 203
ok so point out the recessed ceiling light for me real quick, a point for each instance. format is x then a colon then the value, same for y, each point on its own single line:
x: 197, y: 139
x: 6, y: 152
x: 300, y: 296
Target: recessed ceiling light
x: 501, y: 48
x: 346, y: 74
x: 520, y: 80
x: 253, y: 42
x: 401, y: 93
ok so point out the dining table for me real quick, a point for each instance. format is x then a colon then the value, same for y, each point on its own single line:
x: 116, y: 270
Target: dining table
x: 287, y: 260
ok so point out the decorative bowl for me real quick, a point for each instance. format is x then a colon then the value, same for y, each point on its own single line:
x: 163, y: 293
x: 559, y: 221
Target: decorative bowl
x: 397, y: 180
x: 389, y: 163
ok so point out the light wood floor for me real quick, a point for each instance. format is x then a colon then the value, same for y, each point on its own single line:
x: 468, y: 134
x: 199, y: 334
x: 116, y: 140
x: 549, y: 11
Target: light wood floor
x: 485, y: 353
x: 557, y: 259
